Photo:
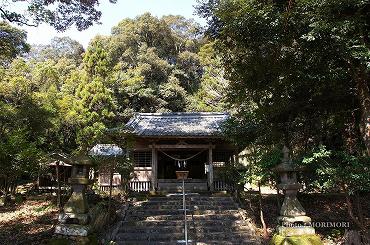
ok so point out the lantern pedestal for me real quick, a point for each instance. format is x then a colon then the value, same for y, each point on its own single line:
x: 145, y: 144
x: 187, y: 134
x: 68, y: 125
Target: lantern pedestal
x: 73, y: 221
x: 294, y: 240
x: 72, y: 230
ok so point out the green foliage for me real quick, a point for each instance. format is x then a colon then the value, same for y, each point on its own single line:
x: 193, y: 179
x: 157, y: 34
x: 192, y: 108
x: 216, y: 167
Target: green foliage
x: 125, y: 167
x: 210, y: 96
x: 23, y: 124
x: 154, y: 65
x: 61, y: 98
x: 59, y: 47
x: 12, y: 43
x: 297, y: 76
x: 277, y: 74
x: 59, y: 14
x: 337, y: 169
x: 59, y: 241
x: 95, y: 59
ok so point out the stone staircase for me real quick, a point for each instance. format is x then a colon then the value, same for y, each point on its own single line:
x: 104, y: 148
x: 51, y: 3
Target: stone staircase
x: 175, y: 185
x: 211, y: 220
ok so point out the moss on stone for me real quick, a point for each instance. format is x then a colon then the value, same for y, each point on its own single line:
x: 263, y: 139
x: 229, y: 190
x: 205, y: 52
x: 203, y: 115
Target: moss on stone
x: 296, y: 240
x: 93, y: 240
x: 59, y: 241
x: 77, y: 203
x: 2, y: 201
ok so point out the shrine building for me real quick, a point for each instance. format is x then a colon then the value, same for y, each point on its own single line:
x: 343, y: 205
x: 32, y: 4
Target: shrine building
x: 166, y: 142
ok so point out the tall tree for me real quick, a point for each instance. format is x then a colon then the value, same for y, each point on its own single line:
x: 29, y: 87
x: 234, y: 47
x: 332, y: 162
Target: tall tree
x: 211, y: 94
x: 59, y: 47
x: 95, y: 60
x: 23, y: 125
x: 151, y: 62
x: 96, y: 108
x: 12, y: 43
x: 273, y: 53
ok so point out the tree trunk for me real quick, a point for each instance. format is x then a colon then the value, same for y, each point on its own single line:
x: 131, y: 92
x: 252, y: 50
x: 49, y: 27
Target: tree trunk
x: 350, y: 211
x: 264, y: 227
x: 364, y: 98
x: 352, y: 237
x: 13, y: 188
x: 350, y: 208
x: 38, y: 180
x: 365, y: 233
x: 6, y: 185
x: 359, y: 209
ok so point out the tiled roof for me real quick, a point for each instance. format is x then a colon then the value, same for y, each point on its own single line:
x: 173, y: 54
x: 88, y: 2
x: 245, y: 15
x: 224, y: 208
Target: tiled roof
x: 185, y: 124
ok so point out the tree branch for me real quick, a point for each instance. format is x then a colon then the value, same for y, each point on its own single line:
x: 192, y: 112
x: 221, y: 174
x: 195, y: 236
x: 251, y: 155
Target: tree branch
x: 16, y: 20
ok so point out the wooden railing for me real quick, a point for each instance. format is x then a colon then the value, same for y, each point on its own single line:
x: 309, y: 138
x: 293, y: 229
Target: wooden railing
x: 142, y: 186
x: 137, y: 186
x: 106, y: 187
x: 220, y: 185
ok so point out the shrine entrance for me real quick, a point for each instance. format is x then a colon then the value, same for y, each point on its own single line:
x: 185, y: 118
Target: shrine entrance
x: 194, y: 161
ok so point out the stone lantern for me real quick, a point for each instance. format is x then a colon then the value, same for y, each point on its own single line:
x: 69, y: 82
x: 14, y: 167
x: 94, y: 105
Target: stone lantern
x: 74, y: 219
x: 292, y: 220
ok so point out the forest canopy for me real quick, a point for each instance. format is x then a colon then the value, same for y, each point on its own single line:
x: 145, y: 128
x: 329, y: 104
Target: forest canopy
x: 62, y: 98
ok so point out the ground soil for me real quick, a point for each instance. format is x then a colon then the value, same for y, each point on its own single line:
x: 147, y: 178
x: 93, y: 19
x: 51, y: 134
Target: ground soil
x: 29, y: 222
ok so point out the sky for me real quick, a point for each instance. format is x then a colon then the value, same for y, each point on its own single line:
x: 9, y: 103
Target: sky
x: 112, y: 14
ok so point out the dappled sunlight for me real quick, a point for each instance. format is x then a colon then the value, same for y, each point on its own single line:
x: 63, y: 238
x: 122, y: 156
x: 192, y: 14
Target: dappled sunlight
x: 29, y: 221
x: 26, y: 212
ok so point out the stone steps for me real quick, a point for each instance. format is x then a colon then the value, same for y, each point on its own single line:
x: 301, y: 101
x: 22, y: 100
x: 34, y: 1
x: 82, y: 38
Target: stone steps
x: 176, y: 186
x: 179, y: 216
x: 218, y: 242
x: 211, y: 220
x: 188, y: 207
x: 154, y: 236
x: 151, y: 243
x: 227, y: 242
x: 221, y: 235
x: 151, y: 212
x: 189, y: 197
x: 179, y: 203
x: 197, y: 227
x: 205, y: 223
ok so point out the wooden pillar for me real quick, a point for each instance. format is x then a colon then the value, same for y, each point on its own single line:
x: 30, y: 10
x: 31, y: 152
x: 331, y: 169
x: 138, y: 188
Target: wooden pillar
x: 154, y: 168
x: 110, y: 186
x: 236, y: 159
x: 59, y: 204
x: 210, y: 168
